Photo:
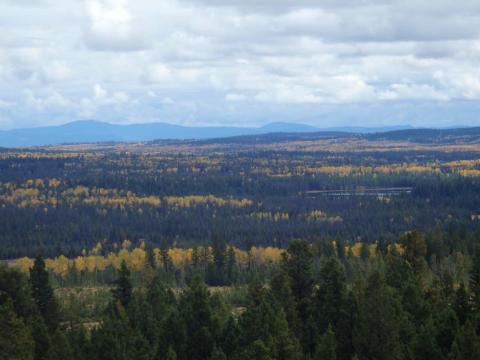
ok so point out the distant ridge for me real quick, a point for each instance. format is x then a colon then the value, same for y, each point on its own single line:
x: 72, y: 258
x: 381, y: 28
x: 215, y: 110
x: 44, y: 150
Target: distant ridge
x: 92, y: 131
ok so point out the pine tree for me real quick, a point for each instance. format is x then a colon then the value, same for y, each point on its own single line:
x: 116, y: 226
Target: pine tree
x: 461, y: 304
x: 331, y: 306
x: 151, y: 258
x: 475, y: 279
x: 161, y: 299
x: 43, y: 294
x: 257, y: 351
x: 377, y: 333
x: 115, y: 339
x: 60, y: 349
x: 41, y: 338
x: 467, y: 344
x: 298, y: 263
x: 330, y: 298
x: 446, y: 329
x: 340, y: 245
x: 15, y: 286
x: 364, y: 251
x: 141, y: 348
x: 218, y: 354
x: 414, y: 249
x: 282, y: 292
x: 142, y: 319
x: 123, y: 290
x: 426, y: 346
x: 79, y: 343
x: 382, y: 246
x: 325, y: 248
x: 219, y: 251
x: 401, y: 277
x: 196, y: 313
x: 195, y: 257
x: 265, y: 322
x: 171, y: 354
x: 230, y: 337
x: 326, y: 348
x: 231, y: 265
x: 15, y: 339
x: 165, y: 258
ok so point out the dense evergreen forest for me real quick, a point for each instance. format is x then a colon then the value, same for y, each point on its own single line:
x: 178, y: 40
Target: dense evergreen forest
x: 315, y: 305
x: 65, y: 200
x: 265, y: 248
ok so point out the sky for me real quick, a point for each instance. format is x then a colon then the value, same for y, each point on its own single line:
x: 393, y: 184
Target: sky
x: 326, y: 63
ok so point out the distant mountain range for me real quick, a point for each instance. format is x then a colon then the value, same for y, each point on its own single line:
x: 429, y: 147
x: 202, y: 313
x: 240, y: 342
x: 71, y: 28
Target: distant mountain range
x: 91, y: 131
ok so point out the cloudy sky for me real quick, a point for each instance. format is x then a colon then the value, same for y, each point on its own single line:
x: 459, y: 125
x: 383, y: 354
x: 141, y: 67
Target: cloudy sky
x: 251, y: 62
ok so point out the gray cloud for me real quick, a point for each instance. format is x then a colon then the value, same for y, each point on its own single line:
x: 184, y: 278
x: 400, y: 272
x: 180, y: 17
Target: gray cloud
x: 219, y: 61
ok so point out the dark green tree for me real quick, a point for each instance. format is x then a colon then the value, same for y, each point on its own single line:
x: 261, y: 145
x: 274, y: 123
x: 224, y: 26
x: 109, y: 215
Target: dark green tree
x: 60, y: 348
x: 340, y: 245
x: 382, y: 246
x: 282, y: 292
x: 475, y: 279
x: 326, y: 348
x: 446, y: 329
x: 15, y: 339
x: 467, y: 344
x: 142, y: 319
x: 161, y: 299
x: 377, y: 332
x: 230, y: 338
x: 265, y: 321
x: 414, y: 249
x: 165, y: 259
x: 297, y: 263
x: 43, y: 295
x: 426, y: 346
x: 325, y: 248
x: 218, y: 354
x: 331, y: 307
x: 41, y: 338
x: 115, y: 339
x: 219, y: 251
x: 14, y: 286
x: 197, y: 314
x: 231, y: 265
x: 364, y: 251
x: 171, y: 354
x: 123, y: 286
x: 461, y: 304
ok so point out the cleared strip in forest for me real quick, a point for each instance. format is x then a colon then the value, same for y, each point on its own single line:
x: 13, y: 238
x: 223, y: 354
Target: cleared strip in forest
x: 362, y: 191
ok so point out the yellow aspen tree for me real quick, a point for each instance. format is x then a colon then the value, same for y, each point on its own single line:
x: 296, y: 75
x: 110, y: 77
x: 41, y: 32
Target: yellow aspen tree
x: 79, y: 263
x: 24, y: 264
x: 90, y: 263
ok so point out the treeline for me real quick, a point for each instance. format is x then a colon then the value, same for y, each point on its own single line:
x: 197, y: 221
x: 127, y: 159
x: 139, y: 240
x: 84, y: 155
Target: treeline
x: 219, y: 263
x: 388, y: 306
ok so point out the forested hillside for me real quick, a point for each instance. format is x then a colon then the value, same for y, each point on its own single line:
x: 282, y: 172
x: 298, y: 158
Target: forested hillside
x: 316, y: 303
x: 181, y: 193
x: 274, y: 247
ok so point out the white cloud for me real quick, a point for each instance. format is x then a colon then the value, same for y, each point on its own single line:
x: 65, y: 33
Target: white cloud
x: 111, y: 26
x: 6, y: 104
x: 99, y: 92
x: 406, y: 91
x: 220, y: 60
x: 102, y: 96
x: 233, y: 97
